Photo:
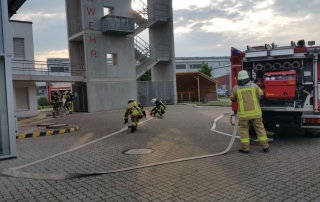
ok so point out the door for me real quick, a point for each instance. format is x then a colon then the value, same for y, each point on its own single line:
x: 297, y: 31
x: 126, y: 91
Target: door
x: 80, y: 103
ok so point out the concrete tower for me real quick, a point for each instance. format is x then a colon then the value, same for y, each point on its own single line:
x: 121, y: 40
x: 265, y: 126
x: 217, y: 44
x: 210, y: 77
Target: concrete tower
x: 103, y: 50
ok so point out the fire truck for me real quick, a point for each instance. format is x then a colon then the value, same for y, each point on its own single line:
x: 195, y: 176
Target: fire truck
x: 289, y: 78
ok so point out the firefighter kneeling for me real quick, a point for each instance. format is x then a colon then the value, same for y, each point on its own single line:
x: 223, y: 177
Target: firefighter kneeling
x: 160, y: 107
x: 136, y: 111
x: 248, y: 95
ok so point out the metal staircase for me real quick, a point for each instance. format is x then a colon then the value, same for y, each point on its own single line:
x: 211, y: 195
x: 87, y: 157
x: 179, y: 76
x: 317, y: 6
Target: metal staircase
x: 144, y: 18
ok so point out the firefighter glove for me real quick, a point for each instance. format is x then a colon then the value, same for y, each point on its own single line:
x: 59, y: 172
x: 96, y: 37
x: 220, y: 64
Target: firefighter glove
x: 144, y: 114
x: 125, y: 121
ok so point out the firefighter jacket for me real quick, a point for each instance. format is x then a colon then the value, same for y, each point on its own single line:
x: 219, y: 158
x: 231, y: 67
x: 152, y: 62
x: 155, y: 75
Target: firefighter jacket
x: 159, y: 104
x: 134, y: 109
x: 248, y: 97
x: 55, y: 98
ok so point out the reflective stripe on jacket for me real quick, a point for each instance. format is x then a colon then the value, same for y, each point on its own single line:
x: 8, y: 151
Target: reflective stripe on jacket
x: 133, y: 109
x: 248, y: 97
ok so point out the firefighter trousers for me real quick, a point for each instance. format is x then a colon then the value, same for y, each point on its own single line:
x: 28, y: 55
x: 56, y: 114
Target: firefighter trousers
x: 134, y: 121
x: 260, y: 132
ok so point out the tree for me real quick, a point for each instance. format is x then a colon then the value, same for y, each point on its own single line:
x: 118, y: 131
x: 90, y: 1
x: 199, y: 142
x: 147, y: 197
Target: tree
x: 205, y: 69
x: 146, y: 76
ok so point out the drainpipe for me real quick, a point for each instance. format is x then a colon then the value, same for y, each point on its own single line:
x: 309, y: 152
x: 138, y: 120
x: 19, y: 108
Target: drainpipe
x: 315, y: 81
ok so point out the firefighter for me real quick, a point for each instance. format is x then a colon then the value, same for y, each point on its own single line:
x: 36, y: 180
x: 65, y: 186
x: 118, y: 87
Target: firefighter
x: 68, y: 103
x: 136, y: 111
x: 55, y: 103
x: 160, y: 107
x: 248, y: 95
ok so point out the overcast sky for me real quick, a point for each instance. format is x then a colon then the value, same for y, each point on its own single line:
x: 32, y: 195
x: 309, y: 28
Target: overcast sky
x: 201, y: 28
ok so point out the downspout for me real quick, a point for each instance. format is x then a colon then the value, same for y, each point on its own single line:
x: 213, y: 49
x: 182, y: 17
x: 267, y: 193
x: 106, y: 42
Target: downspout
x: 315, y: 81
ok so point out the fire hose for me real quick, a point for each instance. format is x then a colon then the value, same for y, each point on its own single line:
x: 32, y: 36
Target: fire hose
x: 13, y: 172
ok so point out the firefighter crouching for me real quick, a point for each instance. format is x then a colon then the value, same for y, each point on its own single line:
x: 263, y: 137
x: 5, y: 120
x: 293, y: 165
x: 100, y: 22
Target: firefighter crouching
x: 160, y: 107
x: 248, y: 95
x: 55, y: 103
x: 136, y: 111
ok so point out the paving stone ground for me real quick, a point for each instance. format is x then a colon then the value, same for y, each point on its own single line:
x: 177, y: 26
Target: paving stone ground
x: 289, y: 172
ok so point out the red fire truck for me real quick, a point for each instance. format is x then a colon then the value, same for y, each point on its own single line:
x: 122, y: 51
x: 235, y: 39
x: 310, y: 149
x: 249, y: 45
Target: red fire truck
x: 289, y: 77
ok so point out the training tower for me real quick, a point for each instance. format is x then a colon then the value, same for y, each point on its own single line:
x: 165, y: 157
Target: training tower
x: 104, y: 48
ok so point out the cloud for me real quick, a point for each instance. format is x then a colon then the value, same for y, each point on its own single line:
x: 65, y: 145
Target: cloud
x: 202, y: 28
x: 44, y: 55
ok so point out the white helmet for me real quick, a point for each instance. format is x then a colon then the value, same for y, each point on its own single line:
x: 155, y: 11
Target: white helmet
x: 153, y: 100
x: 65, y: 92
x: 130, y: 100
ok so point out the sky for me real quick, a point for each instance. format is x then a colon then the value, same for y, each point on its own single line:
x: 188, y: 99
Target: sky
x: 202, y: 28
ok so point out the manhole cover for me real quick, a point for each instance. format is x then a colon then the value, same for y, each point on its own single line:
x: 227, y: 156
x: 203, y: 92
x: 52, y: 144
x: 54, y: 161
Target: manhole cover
x: 138, y: 151
x: 46, y: 124
x: 57, y: 125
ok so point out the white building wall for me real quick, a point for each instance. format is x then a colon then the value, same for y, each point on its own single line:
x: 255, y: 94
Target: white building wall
x: 22, y: 29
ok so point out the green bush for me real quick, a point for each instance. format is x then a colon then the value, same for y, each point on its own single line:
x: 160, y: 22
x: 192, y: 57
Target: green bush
x: 42, y: 101
x: 39, y: 107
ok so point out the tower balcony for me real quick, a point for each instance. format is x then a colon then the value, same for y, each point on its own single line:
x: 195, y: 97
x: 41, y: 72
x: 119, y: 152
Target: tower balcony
x: 112, y: 24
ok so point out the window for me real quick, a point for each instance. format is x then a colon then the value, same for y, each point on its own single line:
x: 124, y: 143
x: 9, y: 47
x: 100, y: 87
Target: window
x: 195, y: 66
x: 181, y: 66
x: 59, y: 69
x: 108, y: 11
x: 18, y: 48
x: 112, y: 59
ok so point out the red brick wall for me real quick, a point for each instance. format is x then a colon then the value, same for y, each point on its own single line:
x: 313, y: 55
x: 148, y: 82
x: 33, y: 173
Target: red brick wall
x: 223, y: 80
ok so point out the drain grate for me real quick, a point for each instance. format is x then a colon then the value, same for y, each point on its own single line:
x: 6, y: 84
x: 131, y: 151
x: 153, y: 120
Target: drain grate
x: 138, y: 151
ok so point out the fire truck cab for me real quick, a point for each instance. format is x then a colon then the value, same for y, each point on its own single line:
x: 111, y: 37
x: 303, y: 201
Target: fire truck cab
x: 289, y: 78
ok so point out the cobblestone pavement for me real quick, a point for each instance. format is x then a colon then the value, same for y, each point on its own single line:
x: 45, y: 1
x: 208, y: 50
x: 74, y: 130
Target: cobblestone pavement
x: 289, y: 172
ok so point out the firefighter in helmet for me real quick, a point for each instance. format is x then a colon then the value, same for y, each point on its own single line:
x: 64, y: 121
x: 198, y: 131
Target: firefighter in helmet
x: 55, y: 103
x: 248, y: 95
x: 159, y: 108
x: 68, y: 103
x: 136, y: 111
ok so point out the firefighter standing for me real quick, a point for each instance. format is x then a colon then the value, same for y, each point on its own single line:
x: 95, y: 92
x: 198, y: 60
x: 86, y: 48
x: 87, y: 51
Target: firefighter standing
x: 248, y: 94
x: 55, y: 103
x: 160, y: 107
x: 136, y: 111
x: 68, y: 103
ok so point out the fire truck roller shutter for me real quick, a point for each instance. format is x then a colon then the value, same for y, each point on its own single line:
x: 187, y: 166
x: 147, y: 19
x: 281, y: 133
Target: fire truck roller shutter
x: 296, y: 65
x: 259, y: 67
x: 286, y: 65
x: 277, y: 66
x: 267, y: 66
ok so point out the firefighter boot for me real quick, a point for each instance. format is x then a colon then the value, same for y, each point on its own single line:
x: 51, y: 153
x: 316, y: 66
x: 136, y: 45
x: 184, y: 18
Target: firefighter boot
x: 133, y: 128
x: 243, y: 151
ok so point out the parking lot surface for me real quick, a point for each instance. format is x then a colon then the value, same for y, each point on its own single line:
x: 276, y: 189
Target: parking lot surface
x: 289, y: 172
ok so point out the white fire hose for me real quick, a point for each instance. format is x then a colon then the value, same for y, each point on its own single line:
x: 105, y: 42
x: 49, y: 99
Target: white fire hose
x: 13, y: 172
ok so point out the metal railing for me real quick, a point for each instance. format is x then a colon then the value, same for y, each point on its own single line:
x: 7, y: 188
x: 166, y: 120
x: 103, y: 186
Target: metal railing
x: 158, y: 11
x: 141, y: 13
x: 143, y: 49
x: 117, y: 23
x: 28, y: 67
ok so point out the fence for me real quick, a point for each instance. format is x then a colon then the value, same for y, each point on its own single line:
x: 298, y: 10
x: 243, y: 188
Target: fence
x: 161, y: 90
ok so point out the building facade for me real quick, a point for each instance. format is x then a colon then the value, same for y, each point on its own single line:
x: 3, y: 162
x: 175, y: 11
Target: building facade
x: 221, y: 68
x: 22, y: 49
x: 8, y: 122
